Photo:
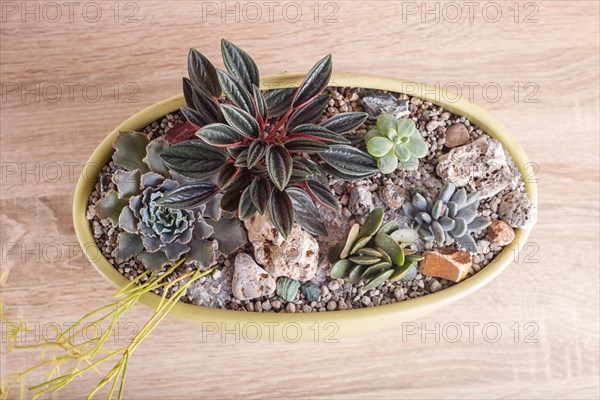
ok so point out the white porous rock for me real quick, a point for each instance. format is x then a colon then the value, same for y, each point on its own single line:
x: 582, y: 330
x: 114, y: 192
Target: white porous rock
x: 250, y: 281
x: 296, y: 257
x: 361, y: 201
x: 517, y: 210
x: 480, y: 166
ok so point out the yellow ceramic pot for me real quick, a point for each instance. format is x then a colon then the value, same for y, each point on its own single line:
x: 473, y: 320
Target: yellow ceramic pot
x: 316, y: 326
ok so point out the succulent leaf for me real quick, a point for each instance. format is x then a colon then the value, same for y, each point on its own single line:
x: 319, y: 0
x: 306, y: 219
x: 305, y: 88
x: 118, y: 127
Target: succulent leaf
x: 375, y: 269
x: 389, y: 227
x: 130, y: 150
x: 202, y: 253
x: 385, y: 122
x: 378, y: 280
x: 405, y: 235
x: 372, y: 223
x: 364, y: 260
x: 355, y: 273
x: 127, y: 182
x: 153, y: 160
x: 379, y: 146
x: 391, y: 247
x: 388, y: 163
x: 417, y: 147
x: 229, y: 234
x: 341, y: 268
x: 129, y: 244
x: 360, y: 243
x: 110, y: 207
x: 154, y: 261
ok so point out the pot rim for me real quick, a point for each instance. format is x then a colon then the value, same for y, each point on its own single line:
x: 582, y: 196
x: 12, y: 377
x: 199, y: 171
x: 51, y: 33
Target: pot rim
x: 421, y: 305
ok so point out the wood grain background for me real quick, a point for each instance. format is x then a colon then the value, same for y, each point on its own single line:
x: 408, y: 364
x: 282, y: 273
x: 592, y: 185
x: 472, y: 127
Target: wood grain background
x: 132, y: 54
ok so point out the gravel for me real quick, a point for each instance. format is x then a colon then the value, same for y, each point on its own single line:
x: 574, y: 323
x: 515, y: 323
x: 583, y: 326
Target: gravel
x: 215, y: 290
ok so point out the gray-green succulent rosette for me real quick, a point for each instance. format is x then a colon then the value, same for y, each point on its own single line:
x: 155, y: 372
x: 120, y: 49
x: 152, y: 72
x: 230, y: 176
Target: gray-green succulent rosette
x: 157, y: 234
x: 395, y: 142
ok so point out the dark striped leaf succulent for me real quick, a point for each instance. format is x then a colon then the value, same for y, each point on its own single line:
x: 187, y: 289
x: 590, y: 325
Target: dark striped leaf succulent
x: 375, y: 252
x: 266, y: 149
x: 452, y: 216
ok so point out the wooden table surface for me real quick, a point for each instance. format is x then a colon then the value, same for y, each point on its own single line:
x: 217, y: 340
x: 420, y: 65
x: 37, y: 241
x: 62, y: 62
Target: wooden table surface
x: 70, y: 72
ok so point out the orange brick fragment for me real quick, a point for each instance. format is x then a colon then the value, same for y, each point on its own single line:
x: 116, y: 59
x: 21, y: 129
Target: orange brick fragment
x: 447, y: 263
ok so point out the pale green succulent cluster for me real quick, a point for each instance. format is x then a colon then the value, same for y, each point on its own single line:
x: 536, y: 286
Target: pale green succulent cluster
x: 375, y: 252
x: 395, y: 142
x: 156, y: 234
x: 452, y: 216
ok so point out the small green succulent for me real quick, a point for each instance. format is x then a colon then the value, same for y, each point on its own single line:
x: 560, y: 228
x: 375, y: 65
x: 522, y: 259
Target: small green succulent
x: 157, y: 234
x: 375, y: 252
x: 395, y: 141
x: 453, y: 216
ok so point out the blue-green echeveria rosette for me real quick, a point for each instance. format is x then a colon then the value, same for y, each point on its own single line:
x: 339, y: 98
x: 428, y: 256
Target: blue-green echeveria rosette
x: 158, y: 235
x: 165, y: 234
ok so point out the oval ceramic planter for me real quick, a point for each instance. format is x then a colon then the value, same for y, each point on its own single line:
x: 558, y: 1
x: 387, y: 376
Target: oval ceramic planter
x: 316, y: 326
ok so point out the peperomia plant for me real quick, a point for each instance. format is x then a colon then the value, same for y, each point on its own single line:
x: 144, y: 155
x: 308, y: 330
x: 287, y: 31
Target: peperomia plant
x: 266, y: 150
x: 158, y: 235
x: 395, y: 142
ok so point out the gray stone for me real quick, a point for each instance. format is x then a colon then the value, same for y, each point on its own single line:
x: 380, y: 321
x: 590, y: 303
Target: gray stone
x: 250, y: 280
x: 296, y: 257
x: 376, y: 104
x: 361, y: 201
x: 517, y: 210
x: 480, y: 165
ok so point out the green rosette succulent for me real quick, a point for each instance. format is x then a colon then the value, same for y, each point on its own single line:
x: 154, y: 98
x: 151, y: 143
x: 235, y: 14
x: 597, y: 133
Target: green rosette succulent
x: 395, y: 142
x: 157, y: 234
x: 375, y: 252
x: 452, y: 216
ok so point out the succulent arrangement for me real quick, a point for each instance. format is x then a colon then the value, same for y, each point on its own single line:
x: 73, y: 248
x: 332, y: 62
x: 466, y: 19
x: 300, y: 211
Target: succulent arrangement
x: 159, y: 235
x: 375, y: 252
x: 266, y: 151
x: 395, y: 142
x: 452, y: 216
